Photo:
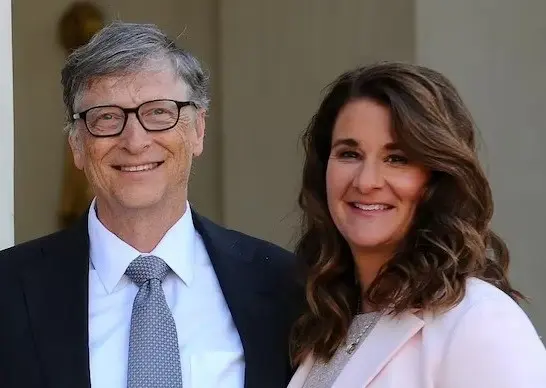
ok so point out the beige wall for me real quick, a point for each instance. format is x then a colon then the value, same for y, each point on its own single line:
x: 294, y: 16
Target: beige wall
x: 39, y: 139
x: 275, y: 59
x: 495, y: 52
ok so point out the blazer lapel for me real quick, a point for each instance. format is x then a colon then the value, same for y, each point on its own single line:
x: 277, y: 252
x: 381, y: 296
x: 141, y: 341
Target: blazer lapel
x: 56, y: 291
x: 388, y: 336
x: 248, y: 286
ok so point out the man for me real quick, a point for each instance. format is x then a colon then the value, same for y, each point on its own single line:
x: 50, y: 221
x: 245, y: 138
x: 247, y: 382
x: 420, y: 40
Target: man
x: 142, y: 292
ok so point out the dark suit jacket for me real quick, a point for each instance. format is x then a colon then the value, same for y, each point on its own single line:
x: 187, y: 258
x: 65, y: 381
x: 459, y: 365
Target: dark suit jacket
x: 44, y: 306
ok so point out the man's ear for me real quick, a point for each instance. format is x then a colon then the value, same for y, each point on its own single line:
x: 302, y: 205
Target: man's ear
x: 76, y: 146
x: 200, y: 125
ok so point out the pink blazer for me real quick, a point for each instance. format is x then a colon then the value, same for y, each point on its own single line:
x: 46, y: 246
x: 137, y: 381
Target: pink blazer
x: 486, y: 341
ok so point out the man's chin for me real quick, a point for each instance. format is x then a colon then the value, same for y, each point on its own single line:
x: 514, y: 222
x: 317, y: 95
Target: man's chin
x: 139, y: 203
x: 137, y: 198
x: 141, y: 198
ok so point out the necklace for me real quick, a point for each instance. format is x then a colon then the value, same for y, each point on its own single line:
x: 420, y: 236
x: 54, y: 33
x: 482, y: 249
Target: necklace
x: 351, y: 347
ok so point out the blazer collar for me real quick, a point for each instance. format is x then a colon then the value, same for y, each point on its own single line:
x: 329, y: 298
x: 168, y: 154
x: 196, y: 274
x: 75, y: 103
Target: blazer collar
x: 387, y: 337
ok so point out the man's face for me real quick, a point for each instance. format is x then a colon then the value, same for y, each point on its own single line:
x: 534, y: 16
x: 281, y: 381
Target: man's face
x: 138, y: 169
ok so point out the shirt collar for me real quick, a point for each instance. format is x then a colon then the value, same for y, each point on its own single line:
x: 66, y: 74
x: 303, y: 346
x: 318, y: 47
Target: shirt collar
x: 110, y: 256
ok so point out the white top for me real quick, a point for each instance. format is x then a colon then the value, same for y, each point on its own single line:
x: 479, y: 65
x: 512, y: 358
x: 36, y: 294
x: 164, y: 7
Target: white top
x: 210, y: 348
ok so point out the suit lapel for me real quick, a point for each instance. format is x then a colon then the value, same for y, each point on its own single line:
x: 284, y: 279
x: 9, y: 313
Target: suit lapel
x: 248, y: 286
x: 388, y: 336
x: 56, y: 291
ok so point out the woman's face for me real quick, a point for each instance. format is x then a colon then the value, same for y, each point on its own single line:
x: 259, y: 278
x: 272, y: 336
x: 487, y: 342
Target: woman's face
x: 372, y: 187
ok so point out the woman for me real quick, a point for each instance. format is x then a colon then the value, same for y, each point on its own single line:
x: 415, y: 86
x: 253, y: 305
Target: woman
x: 406, y: 285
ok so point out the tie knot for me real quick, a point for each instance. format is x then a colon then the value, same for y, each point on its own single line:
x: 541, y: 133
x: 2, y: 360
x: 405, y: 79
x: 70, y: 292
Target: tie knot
x: 145, y: 268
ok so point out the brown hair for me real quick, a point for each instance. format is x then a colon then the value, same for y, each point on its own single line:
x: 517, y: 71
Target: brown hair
x: 450, y: 239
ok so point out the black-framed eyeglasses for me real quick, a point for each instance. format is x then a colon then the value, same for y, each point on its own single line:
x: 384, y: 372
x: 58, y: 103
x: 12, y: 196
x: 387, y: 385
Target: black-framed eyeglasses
x: 154, y: 116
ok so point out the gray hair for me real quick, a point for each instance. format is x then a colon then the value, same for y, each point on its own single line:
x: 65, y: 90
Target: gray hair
x: 125, y: 48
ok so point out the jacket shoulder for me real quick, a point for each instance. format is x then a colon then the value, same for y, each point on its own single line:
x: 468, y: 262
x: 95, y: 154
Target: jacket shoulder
x: 19, y: 255
x: 481, y: 300
x: 280, y: 262
x: 242, y: 241
x: 266, y: 248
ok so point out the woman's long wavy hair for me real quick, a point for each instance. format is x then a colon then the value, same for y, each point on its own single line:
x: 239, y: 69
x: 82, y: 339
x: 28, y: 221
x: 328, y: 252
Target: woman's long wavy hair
x: 450, y: 238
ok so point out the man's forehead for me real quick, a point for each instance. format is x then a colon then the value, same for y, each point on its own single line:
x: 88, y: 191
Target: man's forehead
x: 133, y: 88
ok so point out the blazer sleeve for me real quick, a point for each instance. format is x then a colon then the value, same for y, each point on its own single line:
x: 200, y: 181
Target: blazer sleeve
x: 494, y: 344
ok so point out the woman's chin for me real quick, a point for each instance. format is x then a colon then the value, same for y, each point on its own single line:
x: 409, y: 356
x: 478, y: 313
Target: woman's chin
x: 371, y: 244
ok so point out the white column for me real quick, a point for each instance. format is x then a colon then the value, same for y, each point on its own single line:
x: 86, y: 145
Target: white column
x: 6, y: 127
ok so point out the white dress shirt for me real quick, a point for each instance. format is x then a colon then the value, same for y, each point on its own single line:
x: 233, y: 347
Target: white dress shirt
x: 211, y: 353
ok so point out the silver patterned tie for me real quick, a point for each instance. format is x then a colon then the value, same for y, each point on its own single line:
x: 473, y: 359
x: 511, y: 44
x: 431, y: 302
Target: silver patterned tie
x: 154, y: 358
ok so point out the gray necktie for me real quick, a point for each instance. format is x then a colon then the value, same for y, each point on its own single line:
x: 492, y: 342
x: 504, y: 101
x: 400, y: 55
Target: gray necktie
x: 154, y: 359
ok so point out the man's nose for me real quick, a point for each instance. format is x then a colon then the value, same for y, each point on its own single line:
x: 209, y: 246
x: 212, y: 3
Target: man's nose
x: 134, y: 137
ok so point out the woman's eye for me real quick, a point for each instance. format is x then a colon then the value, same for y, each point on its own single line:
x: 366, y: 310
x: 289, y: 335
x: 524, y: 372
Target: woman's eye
x: 348, y: 155
x: 397, y: 159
